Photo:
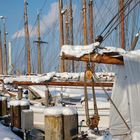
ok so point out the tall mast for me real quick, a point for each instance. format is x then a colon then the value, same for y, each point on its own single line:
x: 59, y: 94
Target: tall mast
x: 62, y: 64
x: 71, y: 31
x: 27, y: 40
x: 5, y: 50
x: 91, y: 21
x: 10, y: 57
x: 1, y: 63
x: 39, y: 49
x: 84, y: 22
x: 39, y: 42
x: 122, y: 30
x: 67, y: 35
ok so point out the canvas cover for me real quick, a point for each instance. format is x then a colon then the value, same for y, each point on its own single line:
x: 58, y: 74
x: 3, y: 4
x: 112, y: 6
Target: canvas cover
x: 126, y: 96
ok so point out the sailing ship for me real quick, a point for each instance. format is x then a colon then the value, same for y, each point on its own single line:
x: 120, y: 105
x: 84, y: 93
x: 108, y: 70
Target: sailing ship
x: 124, y: 114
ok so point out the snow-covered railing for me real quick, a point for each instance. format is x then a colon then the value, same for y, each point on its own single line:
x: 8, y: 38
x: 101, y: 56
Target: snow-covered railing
x: 60, y: 79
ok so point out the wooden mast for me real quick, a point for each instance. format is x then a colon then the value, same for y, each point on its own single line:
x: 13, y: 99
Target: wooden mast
x: 91, y: 21
x: 66, y: 35
x: 122, y: 30
x: 5, y: 50
x: 71, y: 31
x: 62, y: 64
x: 1, y: 60
x: 39, y: 42
x: 39, y: 49
x: 27, y: 39
x: 84, y: 22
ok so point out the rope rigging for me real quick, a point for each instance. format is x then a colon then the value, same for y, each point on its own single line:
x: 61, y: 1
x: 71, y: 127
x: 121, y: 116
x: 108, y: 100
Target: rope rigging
x: 110, y: 30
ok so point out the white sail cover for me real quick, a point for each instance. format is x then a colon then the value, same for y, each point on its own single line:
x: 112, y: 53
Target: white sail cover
x: 126, y: 96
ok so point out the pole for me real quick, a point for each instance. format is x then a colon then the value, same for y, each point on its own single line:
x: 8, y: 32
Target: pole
x: 84, y: 22
x: 67, y: 36
x: 27, y: 39
x: 122, y: 31
x: 1, y: 60
x: 91, y: 21
x: 39, y: 49
x: 39, y: 42
x: 5, y: 50
x: 71, y: 31
x: 62, y: 64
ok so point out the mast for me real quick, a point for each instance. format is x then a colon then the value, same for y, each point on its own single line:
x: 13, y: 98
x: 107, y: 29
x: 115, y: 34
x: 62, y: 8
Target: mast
x: 10, y: 58
x: 71, y: 31
x: 5, y: 49
x: 39, y: 49
x: 27, y: 40
x: 122, y: 30
x: 62, y: 64
x: 67, y: 35
x: 1, y: 63
x: 84, y: 22
x: 39, y: 42
x: 91, y: 21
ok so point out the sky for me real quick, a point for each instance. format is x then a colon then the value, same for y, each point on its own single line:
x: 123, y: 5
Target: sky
x: 13, y: 10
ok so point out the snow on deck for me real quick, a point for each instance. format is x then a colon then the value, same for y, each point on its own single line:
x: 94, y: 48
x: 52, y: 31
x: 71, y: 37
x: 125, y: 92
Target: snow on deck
x: 7, y: 134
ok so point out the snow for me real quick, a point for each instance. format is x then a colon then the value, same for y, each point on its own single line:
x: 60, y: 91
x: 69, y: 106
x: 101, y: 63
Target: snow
x: 78, y: 50
x: 38, y: 109
x: 24, y: 102
x: 109, y: 49
x: 42, y: 78
x: 14, y: 103
x: 19, y: 102
x: 56, y: 111
x: 7, y: 134
x: 2, y: 98
x: 53, y: 76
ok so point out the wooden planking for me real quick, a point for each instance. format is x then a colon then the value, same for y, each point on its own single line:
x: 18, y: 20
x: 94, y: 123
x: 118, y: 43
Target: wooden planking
x: 89, y: 84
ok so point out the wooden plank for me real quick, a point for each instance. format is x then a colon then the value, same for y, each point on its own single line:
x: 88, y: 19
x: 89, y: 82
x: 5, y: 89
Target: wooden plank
x: 65, y: 83
x: 97, y: 58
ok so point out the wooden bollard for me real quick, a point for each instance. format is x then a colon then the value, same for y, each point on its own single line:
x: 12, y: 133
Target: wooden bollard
x: 61, y: 123
x: 27, y: 120
x: 15, y: 113
x: 16, y: 106
x: 3, y: 106
x: 20, y: 91
x: 70, y: 127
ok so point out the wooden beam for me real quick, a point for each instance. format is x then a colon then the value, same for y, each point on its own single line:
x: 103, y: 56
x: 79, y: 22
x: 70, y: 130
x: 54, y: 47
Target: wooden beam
x: 89, y: 84
x: 97, y: 58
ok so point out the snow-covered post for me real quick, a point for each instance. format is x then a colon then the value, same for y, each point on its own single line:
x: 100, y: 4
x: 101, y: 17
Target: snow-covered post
x: 16, y: 107
x: 61, y: 123
x: 3, y: 106
x: 26, y: 121
x: 20, y: 91
x: 15, y: 113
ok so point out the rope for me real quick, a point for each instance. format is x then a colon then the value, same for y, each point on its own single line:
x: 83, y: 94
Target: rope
x: 86, y: 101
x: 109, y: 32
x: 111, y: 101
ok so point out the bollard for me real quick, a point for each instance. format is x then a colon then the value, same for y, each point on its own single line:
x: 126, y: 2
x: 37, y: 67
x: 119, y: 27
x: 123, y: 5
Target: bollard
x: 20, y: 91
x: 61, y: 123
x: 3, y: 106
x: 15, y: 113
x: 16, y: 106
